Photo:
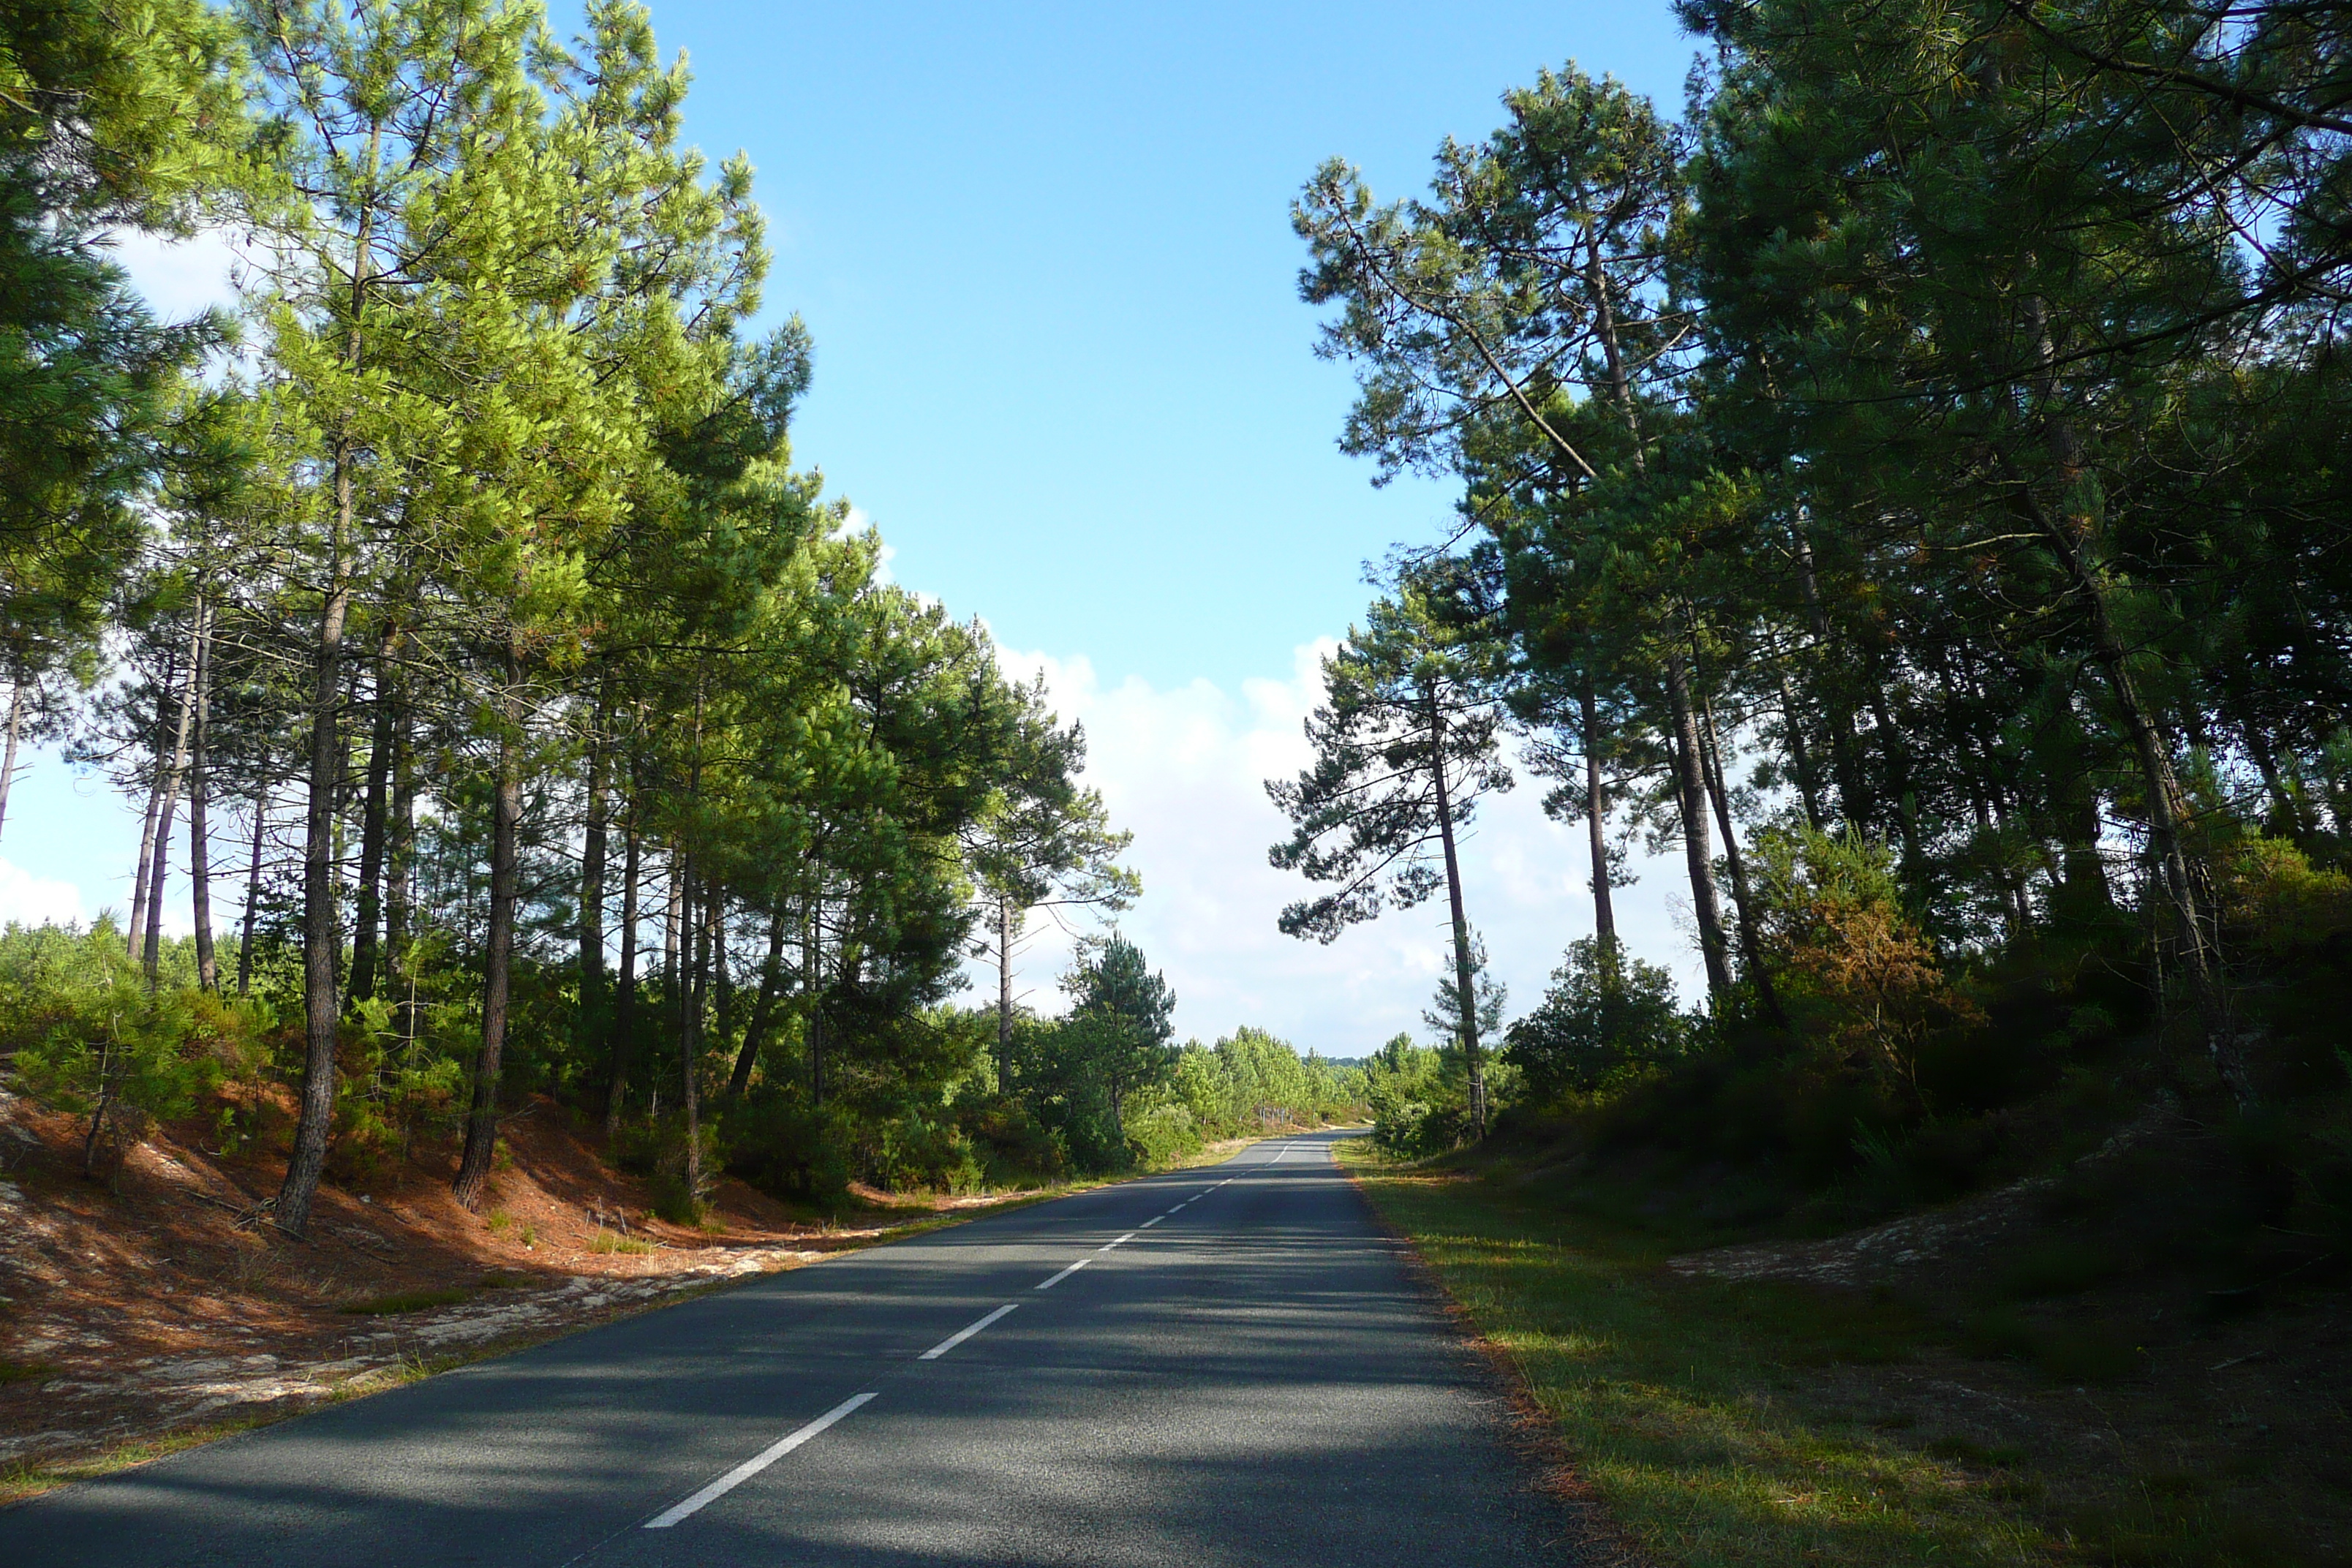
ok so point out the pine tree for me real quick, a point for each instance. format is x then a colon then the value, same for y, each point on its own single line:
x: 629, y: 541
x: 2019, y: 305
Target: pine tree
x: 1405, y: 746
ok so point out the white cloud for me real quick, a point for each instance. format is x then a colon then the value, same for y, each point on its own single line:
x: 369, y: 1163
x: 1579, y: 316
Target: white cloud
x: 180, y: 278
x: 28, y: 899
x: 1185, y: 770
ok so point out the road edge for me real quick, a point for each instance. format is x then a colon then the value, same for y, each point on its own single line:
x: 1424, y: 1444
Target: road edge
x: 1529, y: 1432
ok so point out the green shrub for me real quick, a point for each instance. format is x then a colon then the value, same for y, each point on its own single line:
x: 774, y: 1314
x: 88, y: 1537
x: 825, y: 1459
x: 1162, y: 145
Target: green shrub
x: 609, y: 1241
x: 776, y: 1146
x: 1420, y: 1097
x: 1853, y: 968
x: 914, y: 1150
x: 1250, y: 1080
x: 1017, y: 1146
x: 92, y: 1041
x: 1161, y: 1132
x: 1607, y: 1018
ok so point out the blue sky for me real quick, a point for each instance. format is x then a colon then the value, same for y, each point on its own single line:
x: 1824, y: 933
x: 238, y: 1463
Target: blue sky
x: 1061, y: 362
x: 1046, y: 258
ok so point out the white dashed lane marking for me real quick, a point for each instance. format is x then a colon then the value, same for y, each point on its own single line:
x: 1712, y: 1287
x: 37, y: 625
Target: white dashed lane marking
x: 1065, y: 1274
x: 764, y: 1458
x: 965, y: 1334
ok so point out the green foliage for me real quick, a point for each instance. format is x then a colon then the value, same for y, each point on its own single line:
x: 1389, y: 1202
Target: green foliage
x: 1022, y: 1146
x: 1404, y: 748
x: 498, y: 523
x: 1419, y: 1095
x: 1445, y: 1018
x: 1250, y: 1081
x: 916, y: 1150
x: 502, y: 507
x: 1161, y: 1130
x: 1863, y: 978
x: 1899, y: 486
x: 1060, y: 1068
x: 1079, y: 1073
x: 1608, y: 1019
x: 108, y: 115
x: 92, y: 1039
x: 776, y: 1145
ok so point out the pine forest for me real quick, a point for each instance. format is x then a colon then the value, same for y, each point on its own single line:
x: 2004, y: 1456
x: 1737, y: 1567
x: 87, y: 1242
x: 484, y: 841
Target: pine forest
x: 1897, y: 522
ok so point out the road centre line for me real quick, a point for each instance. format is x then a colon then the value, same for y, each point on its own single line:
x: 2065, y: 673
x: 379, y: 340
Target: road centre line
x: 760, y: 1461
x: 965, y: 1334
x: 1155, y: 1219
x: 1106, y: 1246
x: 1065, y: 1274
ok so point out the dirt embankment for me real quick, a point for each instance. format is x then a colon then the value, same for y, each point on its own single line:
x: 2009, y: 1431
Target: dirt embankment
x: 164, y: 1300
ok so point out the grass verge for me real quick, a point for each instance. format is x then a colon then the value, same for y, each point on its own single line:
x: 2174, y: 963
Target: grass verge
x: 1764, y: 1423
x: 1683, y: 1402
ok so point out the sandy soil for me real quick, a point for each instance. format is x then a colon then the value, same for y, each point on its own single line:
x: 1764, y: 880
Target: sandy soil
x: 162, y: 1301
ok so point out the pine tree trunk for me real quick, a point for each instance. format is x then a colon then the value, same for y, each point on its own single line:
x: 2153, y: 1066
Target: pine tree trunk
x: 137, y: 928
x: 2072, y: 536
x: 696, y: 942
x: 322, y: 921
x: 15, y: 728
x: 1809, y: 789
x: 1903, y: 796
x: 812, y: 959
x: 1691, y: 786
x: 365, y: 959
x: 2069, y: 813
x: 321, y: 916
x: 1596, y: 826
x: 1003, y: 993
x: 723, y: 978
x: 1751, y: 951
x: 200, y: 859
x: 2167, y: 814
x: 160, y: 872
x: 252, y: 889
x: 763, y: 1010
x: 624, y: 1002
x: 1854, y: 794
x: 1697, y: 851
x: 1464, y: 980
x: 2286, y: 811
x: 592, y: 890
x: 482, y: 1118
x: 399, y: 862
x: 670, y: 999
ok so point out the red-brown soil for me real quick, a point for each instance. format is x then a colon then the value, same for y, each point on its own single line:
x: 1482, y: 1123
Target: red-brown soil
x: 160, y: 1301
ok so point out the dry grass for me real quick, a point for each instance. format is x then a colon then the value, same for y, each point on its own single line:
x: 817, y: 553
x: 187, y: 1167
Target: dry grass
x: 403, y: 1301
x: 609, y: 1242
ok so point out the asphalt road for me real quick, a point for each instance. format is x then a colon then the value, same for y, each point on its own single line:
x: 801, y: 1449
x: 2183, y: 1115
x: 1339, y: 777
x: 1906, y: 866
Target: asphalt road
x: 1240, y: 1372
